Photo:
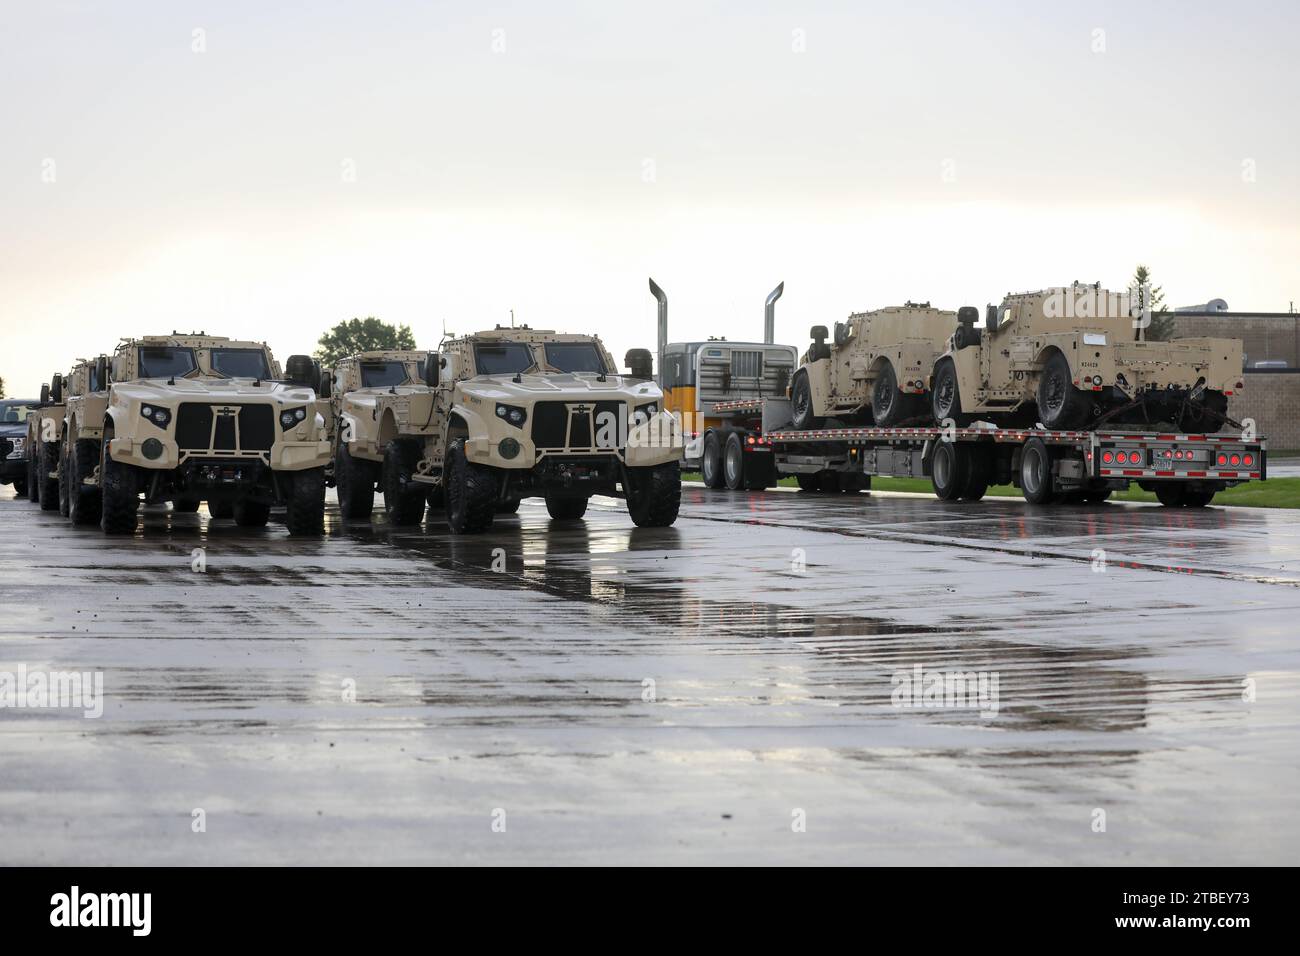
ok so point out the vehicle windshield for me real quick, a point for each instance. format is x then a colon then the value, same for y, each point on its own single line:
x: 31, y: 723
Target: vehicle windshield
x: 166, y: 361
x: 502, y: 358
x: 14, y: 412
x: 575, y: 357
x: 383, y: 374
x: 240, y: 363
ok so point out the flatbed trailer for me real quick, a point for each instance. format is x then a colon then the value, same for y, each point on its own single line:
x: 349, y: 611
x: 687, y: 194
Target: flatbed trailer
x: 962, y: 463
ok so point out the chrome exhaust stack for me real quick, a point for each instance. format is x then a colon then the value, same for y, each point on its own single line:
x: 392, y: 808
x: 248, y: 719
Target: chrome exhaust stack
x: 769, y: 314
x: 662, y: 298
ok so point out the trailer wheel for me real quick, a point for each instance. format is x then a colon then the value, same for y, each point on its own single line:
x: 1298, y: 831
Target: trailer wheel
x: 760, y: 472
x: 733, y: 464
x: 801, y: 403
x: 1170, y: 495
x: 852, y: 483
x: 889, y: 406
x: 1197, y: 497
x: 403, y: 497
x: 1096, y: 496
x: 945, y: 397
x: 1036, y: 472
x: 950, y: 470
x: 1060, y: 404
x: 830, y: 482
x: 980, y: 477
x: 808, y: 482
x: 711, y: 463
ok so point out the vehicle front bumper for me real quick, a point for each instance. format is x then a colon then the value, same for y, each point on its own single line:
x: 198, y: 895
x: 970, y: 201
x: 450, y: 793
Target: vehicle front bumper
x: 283, y: 456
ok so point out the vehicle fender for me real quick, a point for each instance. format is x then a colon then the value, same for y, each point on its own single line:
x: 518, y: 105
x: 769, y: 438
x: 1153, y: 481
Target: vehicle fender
x: 819, y: 382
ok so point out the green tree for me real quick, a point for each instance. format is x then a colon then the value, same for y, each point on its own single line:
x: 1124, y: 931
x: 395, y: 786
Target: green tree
x: 2, y: 387
x: 362, y: 335
x: 1152, y: 297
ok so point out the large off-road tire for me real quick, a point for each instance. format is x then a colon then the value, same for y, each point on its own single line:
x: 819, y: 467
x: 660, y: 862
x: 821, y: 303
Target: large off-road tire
x: 119, y: 492
x: 186, y: 506
x: 29, y: 485
x: 950, y: 470
x: 403, y: 497
x: 733, y: 462
x: 654, y: 494
x: 65, y: 465
x: 889, y: 406
x: 47, y: 488
x: 1171, y: 495
x: 1206, y: 416
x: 1061, y: 406
x: 1036, y: 472
x: 20, y: 486
x: 566, y: 509
x: 810, y: 482
x: 221, y: 509
x: 711, y: 462
x: 354, y: 480
x: 304, y: 512
x: 945, y: 396
x: 83, y: 502
x: 471, y: 492
x: 251, y: 514
x: 802, y: 414
x: 510, y: 506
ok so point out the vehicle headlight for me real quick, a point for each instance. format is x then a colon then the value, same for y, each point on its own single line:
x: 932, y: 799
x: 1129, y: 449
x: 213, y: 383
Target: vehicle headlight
x: 159, y: 416
x: 20, y: 445
x: 291, y: 417
x: 513, y: 414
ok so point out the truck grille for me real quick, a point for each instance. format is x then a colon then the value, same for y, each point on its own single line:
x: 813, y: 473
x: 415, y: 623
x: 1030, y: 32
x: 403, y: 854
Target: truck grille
x: 746, y: 364
x: 225, y: 427
x: 576, y: 425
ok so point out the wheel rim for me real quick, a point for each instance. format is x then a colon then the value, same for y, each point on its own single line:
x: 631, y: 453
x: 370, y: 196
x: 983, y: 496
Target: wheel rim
x: 942, y: 467
x: 884, y: 395
x: 733, y: 468
x: 1053, y: 392
x: 944, y: 392
x: 1029, y: 474
x: 801, y: 399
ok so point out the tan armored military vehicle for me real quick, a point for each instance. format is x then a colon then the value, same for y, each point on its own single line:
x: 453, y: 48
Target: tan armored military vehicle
x: 876, y: 371
x: 188, y: 418
x: 1076, y: 357
x: 353, y: 389
x: 43, y: 427
x: 518, y: 413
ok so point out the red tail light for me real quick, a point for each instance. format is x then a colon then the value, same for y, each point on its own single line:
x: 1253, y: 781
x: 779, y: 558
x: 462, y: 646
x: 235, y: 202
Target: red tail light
x: 1248, y: 459
x: 1235, y: 459
x: 1107, y: 457
x: 1223, y: 459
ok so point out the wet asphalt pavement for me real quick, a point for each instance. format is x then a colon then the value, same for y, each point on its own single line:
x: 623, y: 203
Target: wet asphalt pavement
x: 684, y: 695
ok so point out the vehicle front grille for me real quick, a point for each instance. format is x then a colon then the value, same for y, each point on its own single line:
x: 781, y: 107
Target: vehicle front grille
x: 225, y: 427
x: 6, y: 448
x: 578, y: 425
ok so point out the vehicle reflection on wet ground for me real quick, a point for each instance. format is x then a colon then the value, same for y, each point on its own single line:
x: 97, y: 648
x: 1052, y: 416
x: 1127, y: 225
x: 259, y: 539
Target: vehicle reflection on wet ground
x: 659, y: 695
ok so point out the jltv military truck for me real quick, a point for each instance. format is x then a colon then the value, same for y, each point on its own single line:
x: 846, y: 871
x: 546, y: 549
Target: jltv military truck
x: 353, y: 388
x: 188, y: 418
x: 514, y: 413
x: 1077, y: 357
x: 876, y: 372
x: 43, y: 425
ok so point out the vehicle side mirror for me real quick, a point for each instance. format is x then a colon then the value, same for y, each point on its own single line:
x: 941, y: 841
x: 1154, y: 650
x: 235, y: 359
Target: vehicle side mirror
x: 302, y: 370
x: 991, y: 318
x: 432, y: 366
x: 56, y: 388
x: 45, y: 393
x: 640, y: 363
x: 326, y: 387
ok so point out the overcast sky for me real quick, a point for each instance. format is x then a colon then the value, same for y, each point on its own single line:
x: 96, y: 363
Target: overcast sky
x: 266, y: 173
